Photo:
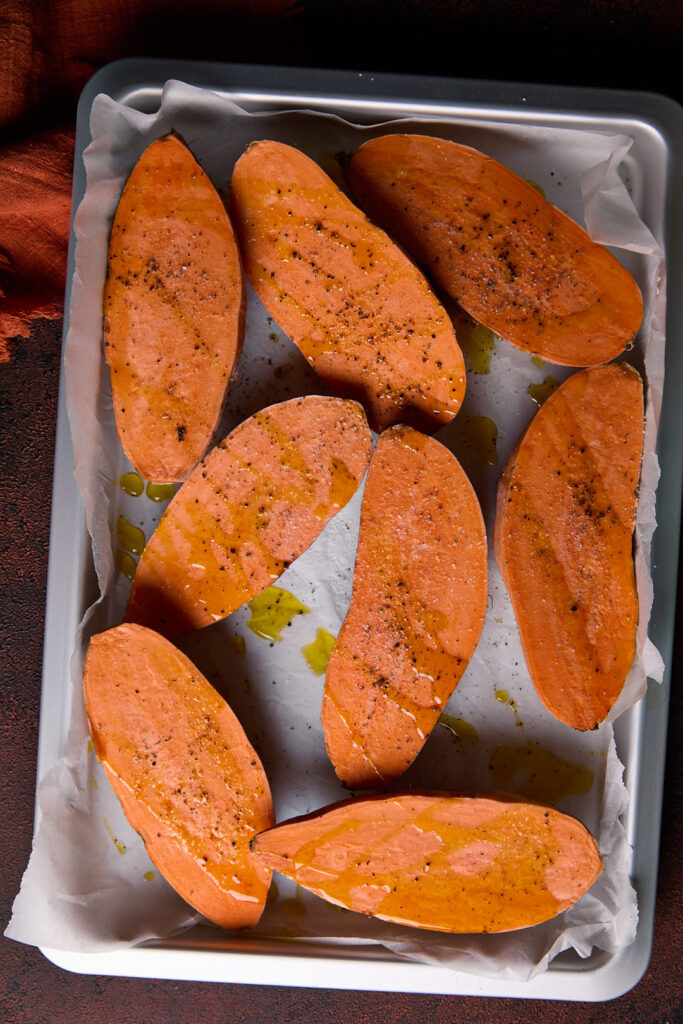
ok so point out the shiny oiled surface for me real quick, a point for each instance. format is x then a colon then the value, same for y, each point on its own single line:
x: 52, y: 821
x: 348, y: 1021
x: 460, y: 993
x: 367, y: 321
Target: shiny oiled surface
x: 645, y: 56
x: 272, y: 611
x: 33, y: 989
x: 439, y: 861
x: 180, y: 763
x: 252, y: 506
x: 516, y: 263
x: 359, y: 310
x: 174, y: 304
x: 563, y: 540
x: 416, y: 613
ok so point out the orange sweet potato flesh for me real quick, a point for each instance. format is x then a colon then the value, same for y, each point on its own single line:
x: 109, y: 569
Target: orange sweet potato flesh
x: 174, y: 304
x: 440, y: 861
x: 360, y: 312
x: 563, y: 541
x: 416, y: 613
x: 488, y: 238
x: 187, y: 778
x: 252, y: 506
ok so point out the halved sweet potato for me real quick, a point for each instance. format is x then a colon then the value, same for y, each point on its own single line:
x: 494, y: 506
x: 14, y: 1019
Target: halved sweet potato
x: 252, y: 506
x: 359, y: 310
x: 563, y: 541
x: 187, y: 777
x: 416, y: 613
x: 488, y: 238
x: 174, y: 303
x: 445, y: 862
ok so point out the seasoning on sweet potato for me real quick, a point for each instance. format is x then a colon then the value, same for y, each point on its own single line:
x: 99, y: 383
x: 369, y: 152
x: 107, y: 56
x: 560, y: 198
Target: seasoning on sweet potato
x: 416, y: 613
x: 252, y: 506
x: 563, y: 541
x: 174, y: 303
x: 488, y: 238
x: 445, y: 862
x: 360, y: 312
x: 187, y: 777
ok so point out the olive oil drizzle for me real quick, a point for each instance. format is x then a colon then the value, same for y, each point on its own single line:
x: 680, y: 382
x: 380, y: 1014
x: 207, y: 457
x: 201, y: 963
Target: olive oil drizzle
x: 477, y: 341
x: 541, y: 392
x: 231, y: 558
x: 480, y: 435
x: 510, y: 872
x: 418, y: 652
x: 172, y: 804
x: 125, y: 564
x: 299, y: 218
x: 575, y: 467
x: 317, y: 653
x: 547, y: 777
x: 132, y: 484
x: 503, y: 697
x: 160, y: 492
x: 462, y: 730
x: 272, y: 611
x: 131, y: 538
x: 117, y: 843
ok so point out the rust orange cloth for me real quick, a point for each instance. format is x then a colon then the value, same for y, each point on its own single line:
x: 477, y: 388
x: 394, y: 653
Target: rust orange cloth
x: 35, y: 186
x: 48, y: 51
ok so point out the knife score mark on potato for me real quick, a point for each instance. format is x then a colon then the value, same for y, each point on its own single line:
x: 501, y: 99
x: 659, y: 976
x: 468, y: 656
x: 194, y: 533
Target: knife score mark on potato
x: 186, y: 776
x: 563, y: 541
x: 174, y: 307
x: 252, y: 506
x: 439, y: 861
x: 516, y: 263
x: 358, y: 309
x: 417, y: 609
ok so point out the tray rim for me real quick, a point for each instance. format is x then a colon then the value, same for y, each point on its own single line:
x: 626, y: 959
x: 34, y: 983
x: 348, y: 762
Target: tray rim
x: 534, y: 102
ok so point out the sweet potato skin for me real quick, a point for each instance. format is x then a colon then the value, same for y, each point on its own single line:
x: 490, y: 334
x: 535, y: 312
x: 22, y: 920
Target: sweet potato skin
x: 416, y: 613
x: 357, y: 308
x: 187, y: 778
x: 252, y: 506
x: 488, y: 238
x: 174, y: 306
x: 563, y: 541
x: 440, y: 861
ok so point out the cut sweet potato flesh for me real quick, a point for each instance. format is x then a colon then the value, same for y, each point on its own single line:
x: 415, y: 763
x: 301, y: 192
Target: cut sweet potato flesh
x: 174, y: 304
x: 516, y: 263
x: 440, y: 861
x: 252, y: 506
x: 416, y: 613
x: 186, y: 775
x: 564, y: 536
x: 357, y: 308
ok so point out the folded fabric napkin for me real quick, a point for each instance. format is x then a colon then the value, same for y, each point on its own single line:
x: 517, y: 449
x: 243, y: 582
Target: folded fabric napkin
x: 35, y: 185
x: 48, y: 51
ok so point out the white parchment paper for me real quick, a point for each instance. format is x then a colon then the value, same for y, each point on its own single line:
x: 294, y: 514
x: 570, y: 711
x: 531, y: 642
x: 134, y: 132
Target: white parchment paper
x: 89, y: 885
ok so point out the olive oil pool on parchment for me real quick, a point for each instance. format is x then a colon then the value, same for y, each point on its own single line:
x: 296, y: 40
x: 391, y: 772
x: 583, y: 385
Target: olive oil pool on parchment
x: 272, y: 611
x: 317, y: 653
x: 544, y: 776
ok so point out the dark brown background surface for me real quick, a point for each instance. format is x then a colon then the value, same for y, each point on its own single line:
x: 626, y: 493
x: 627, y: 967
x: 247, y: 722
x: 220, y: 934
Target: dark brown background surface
x: 629, y: 44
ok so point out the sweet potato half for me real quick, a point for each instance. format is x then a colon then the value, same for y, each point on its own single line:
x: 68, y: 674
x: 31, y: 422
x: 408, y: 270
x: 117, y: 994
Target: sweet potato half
x: 360, y: 312
x: 563, y: 541
x: 174, y: 303
x: 488, y: 238
x: 252, y: 506
x: 416, y: 613
x: 445, y: 862
x: 186, y: 775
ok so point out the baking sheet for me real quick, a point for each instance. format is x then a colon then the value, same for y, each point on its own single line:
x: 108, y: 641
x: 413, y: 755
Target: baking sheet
x: 449, y: 763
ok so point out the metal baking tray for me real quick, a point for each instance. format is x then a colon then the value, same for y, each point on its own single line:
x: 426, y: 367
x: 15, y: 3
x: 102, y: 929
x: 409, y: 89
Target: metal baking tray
x: 656, y: 126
